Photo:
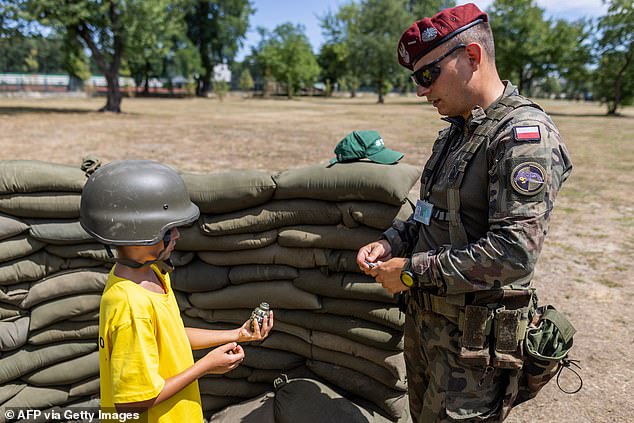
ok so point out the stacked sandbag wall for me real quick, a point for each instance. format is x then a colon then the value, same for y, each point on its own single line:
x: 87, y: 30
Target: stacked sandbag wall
x: 289, y: 239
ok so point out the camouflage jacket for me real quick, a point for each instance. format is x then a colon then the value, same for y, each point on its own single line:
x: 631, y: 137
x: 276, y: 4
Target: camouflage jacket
x: 506, y: 197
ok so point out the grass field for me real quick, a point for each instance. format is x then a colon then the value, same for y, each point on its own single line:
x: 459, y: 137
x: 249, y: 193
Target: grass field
x: 585, y: 268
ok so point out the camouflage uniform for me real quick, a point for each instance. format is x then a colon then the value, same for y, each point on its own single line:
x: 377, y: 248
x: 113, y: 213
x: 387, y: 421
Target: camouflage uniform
x: 505, y: 200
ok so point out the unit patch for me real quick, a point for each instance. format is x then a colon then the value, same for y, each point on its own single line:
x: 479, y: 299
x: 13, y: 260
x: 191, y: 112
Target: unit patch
x: 528, y: 178
x: 527, y: 133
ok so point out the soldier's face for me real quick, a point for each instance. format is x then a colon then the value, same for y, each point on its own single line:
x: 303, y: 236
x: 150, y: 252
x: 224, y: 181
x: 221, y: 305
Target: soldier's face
x: 447, y: 92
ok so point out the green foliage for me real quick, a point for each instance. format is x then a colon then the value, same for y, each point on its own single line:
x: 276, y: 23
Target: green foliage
x: 614, y: 83
x: 287, y: 54
x: 31, y: 53
x: 246, y: 80
x: 221, y: 88
x: 333, y: 61
x: 421, y: 8
x: 217, y: 29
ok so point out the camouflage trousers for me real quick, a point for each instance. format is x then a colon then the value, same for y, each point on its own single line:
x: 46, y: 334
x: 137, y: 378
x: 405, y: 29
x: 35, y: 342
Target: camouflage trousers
x: 441, y: 389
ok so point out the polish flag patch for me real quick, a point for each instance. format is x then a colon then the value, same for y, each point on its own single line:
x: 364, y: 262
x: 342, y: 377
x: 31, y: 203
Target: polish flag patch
x: 527, y: 133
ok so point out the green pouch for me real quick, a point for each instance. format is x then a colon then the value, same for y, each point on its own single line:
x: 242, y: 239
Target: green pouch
x: 546, y: 348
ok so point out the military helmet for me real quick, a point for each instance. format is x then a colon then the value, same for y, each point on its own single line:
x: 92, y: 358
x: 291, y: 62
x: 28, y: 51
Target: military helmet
x: 134, y: 202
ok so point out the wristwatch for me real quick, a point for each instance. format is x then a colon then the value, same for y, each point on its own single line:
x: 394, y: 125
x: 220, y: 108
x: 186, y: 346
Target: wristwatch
x: 407, y: 276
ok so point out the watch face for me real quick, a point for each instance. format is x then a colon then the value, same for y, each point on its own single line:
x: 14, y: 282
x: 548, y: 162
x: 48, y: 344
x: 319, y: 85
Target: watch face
x: 407, y: 279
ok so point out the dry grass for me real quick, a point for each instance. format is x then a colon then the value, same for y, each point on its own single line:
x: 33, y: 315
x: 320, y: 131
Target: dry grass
x: 586, y: 265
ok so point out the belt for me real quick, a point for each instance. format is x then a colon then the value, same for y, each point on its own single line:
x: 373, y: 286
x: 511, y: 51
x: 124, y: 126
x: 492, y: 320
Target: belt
x: 436, y: 304
x: 440, y: 214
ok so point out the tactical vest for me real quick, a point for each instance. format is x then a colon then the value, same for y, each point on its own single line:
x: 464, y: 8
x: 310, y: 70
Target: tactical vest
x: 497, y: 117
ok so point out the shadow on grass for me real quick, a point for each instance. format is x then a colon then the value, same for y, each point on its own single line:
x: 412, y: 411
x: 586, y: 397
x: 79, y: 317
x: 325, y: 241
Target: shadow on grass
x: 43, y: 110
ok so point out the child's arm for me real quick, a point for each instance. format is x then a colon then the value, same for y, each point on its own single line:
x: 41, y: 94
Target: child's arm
x: 218, y: 361
x: 205, y: 338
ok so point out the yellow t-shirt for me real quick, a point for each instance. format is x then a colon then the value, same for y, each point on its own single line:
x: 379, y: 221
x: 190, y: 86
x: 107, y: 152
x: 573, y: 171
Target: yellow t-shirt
x: 142, y: 342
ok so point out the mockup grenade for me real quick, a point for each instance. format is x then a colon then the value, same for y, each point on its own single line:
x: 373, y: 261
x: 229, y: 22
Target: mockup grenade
x: 258, y: 315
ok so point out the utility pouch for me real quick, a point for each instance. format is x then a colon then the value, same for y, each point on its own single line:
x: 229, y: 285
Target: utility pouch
x: 509, y: 329
x: 475, y: 326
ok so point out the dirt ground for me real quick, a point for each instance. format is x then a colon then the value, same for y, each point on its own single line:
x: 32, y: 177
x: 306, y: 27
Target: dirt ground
x: 586, y: 265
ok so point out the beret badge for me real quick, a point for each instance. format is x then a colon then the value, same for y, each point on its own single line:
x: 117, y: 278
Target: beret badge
x: 428, y: 34
x: 403, y: 52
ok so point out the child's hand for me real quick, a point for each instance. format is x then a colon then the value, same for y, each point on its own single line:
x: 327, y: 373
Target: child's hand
x: 245, y: 334
x: 224, y: 358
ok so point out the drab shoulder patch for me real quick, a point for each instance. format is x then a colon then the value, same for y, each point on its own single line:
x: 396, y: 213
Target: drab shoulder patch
x: 528, y: 178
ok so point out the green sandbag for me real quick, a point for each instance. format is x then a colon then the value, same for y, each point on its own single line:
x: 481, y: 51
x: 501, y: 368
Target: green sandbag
x: 311, y: 401
x: 233, y: 316
x: 322, y: 236
x: 66, y: 372
x: 58, y: 231
x: 9, y: 312
x: 19, y: 246
x: 199, y: 276
x: 85, y: 387
x: 32, y: 397
x: 231, y: 387
x: 213, y: 403
x: 29, y: 359
x: 264, y: 358
x: 274, y: 214
x: 47, y: 205
x: 240, y: 372
x: 10, y: 226
x: 9, y: 390
x: 343, y: 261
x: 14, y: 294
x: 282, y: 341
x: 65, y: 331
x: 37, y: 176
x: 348, y: 181
x: 391, y: 360
x: 256, y: 410
x: 261, y: 272
x: 13, y: 334
x: 193, y: 239
x: 71, y: 282
x: 182, y: 258
x: 63, y: 308
x: 375, y: 215
x: 342, y: 285
x: 302, y: 258
x: 249, y: 295
x: 93, y: 251
x: 228, y: 191
x: 372, y: 311
x: 392, y: 402
x: 357, y: 330
x: 39, y: 265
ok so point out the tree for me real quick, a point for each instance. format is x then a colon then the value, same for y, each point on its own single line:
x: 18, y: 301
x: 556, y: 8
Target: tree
x: 246, y: 81
x: 373, y: 44
x: 288, y: 55
x: 333, y: 61
x: 421, y: 8
x: 217, y: 29
x: 615, y: 72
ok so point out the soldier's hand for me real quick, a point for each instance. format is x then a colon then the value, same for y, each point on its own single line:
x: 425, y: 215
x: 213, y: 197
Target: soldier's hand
x: 373, y: 253
x: 388, y: 274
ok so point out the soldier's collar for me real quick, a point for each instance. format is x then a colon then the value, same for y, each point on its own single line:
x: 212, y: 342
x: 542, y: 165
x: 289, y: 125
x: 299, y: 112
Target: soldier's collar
x: 454, y: 120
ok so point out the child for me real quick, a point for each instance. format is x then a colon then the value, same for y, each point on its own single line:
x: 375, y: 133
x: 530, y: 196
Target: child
x: 145, y: 357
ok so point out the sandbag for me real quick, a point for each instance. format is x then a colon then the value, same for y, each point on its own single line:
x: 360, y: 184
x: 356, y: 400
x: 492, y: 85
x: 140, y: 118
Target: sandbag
x: 343, y: 261
x: 391, y: 360
x: 280, y: 294
x: 354, y: 329
x: 213, y: 403
x: 263, y: 358
x: 256, y: 410
x: 13, y: 334
x: 31, y: 358
x: 222, y: 386
x: 392, y: 402
x: 261, y: 272
x: 72, y: 282
x: 229, y: 191
x: 65, y: 331
x: 59, y: 231
x: 10, y: 226
x: 38, y: 265
x: 337, y: 237
x: 182, y: 258
x: 32, y: 397
x: 86, y: 387
x: 193, y: 239
x: 66, y: 372
x: 274, y: 214
x: 310, y: 401
x: 14, y: 294
x: 372, y: 311
x: 18, y: 246
x: 9, y: 390
x: 47, y: 205
x: 63, y: 308
x: 302, y: 258
x: 182, y: 301
x: 36, y: 176
x: 282, y: 341
x: 348, y: 181
x: 199, y: 276
x: 375, y: 215
x: 240, y: 372
x: 9, y: 312
x: 234, y: 316
x: 342, y: 285
x: 93, y: 251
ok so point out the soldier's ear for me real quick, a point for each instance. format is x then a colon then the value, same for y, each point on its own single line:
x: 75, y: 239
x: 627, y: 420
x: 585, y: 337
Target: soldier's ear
x: 474, y: 55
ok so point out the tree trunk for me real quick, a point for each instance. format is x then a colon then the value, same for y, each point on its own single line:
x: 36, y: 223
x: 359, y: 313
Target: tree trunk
x: 146, y: 87
x: 289, y: 89
x: 380, y: 92
x: 113, y: 99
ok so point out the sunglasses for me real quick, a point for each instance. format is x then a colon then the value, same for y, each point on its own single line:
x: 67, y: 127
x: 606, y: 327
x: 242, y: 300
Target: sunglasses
x: 426, y: 75
x: 167, y: 237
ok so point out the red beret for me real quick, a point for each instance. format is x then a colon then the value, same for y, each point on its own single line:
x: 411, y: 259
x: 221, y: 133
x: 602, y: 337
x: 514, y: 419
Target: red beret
x: 428, y: 33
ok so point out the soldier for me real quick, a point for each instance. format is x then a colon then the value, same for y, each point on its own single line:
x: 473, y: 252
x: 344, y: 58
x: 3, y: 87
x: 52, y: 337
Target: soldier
x: 465, y: 258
